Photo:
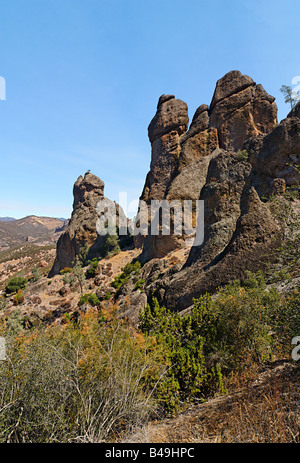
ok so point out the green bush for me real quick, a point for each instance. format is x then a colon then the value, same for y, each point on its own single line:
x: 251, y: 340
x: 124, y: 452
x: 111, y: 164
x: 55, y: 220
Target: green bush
x: 111, y: 246
x: 91, y: 271
x: 139, y: 284
x: 91, y: 299
x: 242, y: 155
x: 19, y: 298
x: 15, y: 284
x: 132, y: 268
x: 239, y: 327
x: 181, y: 348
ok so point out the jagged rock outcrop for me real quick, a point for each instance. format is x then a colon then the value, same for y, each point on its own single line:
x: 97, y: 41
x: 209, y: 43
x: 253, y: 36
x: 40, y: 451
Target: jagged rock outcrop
x: 88, y: 192
x: 239, y: 109
x: 206, y: 163
x: 277, y: 155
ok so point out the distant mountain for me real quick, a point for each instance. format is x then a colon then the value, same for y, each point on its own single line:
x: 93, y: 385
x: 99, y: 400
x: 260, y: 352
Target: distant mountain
x: 33, y: 229
x: 7, y: 219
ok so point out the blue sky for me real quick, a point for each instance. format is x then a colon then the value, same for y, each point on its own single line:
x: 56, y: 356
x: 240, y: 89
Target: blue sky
x: 83, y: 78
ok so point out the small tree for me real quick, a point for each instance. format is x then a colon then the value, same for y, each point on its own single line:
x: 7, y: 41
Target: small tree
x: 289, y: 95
x: 76, y: 276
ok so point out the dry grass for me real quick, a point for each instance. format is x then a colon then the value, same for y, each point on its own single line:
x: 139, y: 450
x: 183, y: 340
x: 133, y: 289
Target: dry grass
x: 265, y: 412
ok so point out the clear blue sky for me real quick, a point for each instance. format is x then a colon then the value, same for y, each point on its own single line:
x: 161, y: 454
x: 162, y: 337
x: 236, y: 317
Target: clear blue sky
x: 84, y: 76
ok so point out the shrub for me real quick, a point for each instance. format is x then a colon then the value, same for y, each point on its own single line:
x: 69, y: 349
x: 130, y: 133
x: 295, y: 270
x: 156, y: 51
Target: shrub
x: 231, y: 332
x: 91, y: 299
x: 74, y: 383
x: 132, y: 268
x: 77, y: 276
x: 19, y: 298
x: 242, y: 155
x: 15, y: 284
x: 181, y: 348
x: 139, y: 285
x: 111, y: 246
x: 91, y: 271
x: 2, y: 303
x: 36, y: 274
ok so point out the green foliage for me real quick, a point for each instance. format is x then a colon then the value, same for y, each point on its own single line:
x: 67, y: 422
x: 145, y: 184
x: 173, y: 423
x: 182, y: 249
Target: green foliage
x: 36, y: 274
x: 130, y: 269
x: 82, y: 257
x: 288, y: 262
x: 14, y: 323
x: 77, y: 276
x: 2, y: 303
x: 239, y: 327
x: 139, y: 285
x: 66, y: 270
x: 240, y: 322
x: 91, y: 299
x: 19, y: 298
x: 91, y: 271
x: 287, y: 320
x: 111, y: 246
x: 290, y: 96
x: 15, y: 284
x: 242, y: 155
x: 181, y: 349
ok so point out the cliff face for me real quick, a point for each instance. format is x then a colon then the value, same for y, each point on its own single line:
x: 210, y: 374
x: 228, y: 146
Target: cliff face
x: 233, y: 154
x: 181, y: 156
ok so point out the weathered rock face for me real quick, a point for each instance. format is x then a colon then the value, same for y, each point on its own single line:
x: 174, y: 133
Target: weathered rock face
x: 165, y: 129
x: 241, y: 109
x: 180, y: 158
x: 88, y: 193
x: 240, y: 233
x: 277, y: 155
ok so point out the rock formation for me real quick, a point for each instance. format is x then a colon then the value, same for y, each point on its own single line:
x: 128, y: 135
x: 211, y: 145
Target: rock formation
x: 88, y: 192
x: 180, y: 158
x: 233, y: 154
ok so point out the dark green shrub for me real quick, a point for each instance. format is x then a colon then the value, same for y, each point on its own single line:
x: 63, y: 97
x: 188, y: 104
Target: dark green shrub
x: 132, y: 268
x: 181, y: 348
x: 111, y: 246
x: 91, y: 299
x: 91, y: 271
x: 15, y: 284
